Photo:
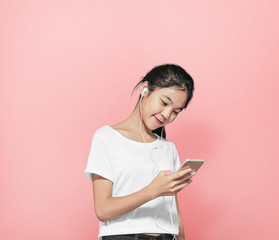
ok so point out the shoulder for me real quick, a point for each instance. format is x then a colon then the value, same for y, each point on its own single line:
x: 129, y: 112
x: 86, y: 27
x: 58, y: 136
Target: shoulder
x: 104, y: 133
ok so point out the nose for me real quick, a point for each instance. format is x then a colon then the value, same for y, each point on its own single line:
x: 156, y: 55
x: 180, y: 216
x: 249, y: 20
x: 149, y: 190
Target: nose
x: 166, y: 114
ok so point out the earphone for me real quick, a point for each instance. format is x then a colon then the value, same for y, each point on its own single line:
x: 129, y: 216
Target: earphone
x: 144, y: 90
x: 155, y: 165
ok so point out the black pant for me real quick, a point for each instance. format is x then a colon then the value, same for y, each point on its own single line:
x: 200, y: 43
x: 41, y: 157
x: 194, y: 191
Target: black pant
x: 141, y: 236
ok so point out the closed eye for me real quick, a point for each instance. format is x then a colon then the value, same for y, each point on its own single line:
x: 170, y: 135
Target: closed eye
x: 165, y: 104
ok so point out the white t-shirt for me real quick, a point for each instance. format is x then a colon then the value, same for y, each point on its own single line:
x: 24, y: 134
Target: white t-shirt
x: 129, y: 165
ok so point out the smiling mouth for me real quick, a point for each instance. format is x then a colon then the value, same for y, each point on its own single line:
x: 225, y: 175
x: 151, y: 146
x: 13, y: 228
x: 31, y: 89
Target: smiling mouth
x: 158, y: 121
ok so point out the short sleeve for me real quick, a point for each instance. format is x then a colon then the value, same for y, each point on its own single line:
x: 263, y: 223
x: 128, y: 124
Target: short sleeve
x: 100, y: 159
x: 177, y: 163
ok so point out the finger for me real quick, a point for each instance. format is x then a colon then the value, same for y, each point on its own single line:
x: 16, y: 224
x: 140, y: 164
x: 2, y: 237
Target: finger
x: 189, y: 175
x: 180, y: 187
x: 181, y: 182
x: 189, y: 181
x: 181, y: 173
x: 185, y: 167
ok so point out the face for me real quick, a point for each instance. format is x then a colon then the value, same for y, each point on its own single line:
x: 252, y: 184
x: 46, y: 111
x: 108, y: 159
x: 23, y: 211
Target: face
x: 162, y: 106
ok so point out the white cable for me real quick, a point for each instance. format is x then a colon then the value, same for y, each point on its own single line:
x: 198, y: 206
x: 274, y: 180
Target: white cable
x: 155, y: 165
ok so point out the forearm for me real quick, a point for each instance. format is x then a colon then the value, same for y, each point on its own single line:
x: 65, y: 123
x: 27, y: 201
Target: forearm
x: 181, y: 235
x: 114, y: 207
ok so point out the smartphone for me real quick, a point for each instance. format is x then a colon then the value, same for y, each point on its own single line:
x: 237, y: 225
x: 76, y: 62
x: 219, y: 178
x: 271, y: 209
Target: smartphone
x: 194, y: 164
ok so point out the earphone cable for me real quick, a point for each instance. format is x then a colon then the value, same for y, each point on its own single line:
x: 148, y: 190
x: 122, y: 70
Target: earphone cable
x: 155, y: 165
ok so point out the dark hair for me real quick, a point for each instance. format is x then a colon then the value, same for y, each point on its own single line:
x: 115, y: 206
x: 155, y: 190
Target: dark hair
x: 168, y: 75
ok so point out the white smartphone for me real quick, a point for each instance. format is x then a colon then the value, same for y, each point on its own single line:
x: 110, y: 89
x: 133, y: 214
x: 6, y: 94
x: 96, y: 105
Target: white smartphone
x: 194, y: 164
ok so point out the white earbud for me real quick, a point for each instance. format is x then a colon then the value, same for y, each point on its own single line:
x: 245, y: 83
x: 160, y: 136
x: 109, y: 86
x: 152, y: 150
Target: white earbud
x: 144, y: 90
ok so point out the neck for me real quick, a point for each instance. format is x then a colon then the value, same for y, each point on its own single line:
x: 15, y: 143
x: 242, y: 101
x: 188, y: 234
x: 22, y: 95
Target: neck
x: 133, y: 122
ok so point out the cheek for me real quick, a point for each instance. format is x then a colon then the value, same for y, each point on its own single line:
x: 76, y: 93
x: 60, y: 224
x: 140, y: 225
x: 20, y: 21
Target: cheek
x: 147, y: 111
x: 153, y: 108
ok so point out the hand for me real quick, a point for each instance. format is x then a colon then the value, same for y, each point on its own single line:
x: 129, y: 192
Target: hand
x: 167, y: 184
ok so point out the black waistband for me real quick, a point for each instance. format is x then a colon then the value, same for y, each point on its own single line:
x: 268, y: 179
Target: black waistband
x: 159, y: 237
x: 139, y: 236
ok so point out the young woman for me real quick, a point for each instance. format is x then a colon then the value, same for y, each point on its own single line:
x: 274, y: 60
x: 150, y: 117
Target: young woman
x: 133, y: 168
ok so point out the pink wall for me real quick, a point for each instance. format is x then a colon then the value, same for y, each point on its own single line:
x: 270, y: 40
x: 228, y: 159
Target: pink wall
x: 68, y: 67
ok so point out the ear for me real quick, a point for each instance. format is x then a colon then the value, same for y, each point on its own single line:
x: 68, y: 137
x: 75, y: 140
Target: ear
x: 143, y: 85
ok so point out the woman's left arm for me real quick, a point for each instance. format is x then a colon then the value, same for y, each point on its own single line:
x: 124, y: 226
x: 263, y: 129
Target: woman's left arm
x: 181, y: 235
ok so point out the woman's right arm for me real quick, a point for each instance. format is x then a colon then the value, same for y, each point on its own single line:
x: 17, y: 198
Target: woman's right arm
x: 108, y: 207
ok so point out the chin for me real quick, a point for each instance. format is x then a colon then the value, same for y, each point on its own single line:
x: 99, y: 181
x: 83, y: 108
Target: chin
x: 155, y: 127
x: 151, y: 126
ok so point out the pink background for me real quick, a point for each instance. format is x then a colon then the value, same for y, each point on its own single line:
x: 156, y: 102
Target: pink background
x: 68, y: 67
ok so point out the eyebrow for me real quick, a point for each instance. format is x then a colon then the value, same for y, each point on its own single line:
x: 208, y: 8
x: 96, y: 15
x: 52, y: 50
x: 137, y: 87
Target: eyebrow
x: 166, y: 96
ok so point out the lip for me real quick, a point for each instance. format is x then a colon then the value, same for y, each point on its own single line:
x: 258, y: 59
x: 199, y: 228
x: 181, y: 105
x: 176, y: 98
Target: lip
x: 158, y: 121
